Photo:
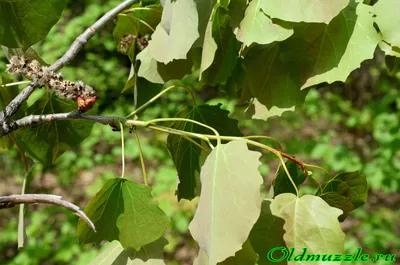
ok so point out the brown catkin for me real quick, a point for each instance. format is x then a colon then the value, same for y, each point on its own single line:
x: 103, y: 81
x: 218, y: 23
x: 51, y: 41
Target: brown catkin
x: 41, y: 76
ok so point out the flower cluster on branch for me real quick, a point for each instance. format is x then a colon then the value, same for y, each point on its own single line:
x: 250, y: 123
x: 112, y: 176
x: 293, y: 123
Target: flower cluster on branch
x: 41, y: 75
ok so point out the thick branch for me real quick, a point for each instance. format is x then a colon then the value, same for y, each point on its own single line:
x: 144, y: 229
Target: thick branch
x: 31, y: 120
x: 12, y: 200
x: 75, y: 47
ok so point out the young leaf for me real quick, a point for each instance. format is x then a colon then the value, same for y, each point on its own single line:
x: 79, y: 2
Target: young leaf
x: 230, y: 200
x: 123, y: 210
x: 267, y: 233
x: 282, y: 183
x: 45, y: 143
x: 346, y: 191
x: 309, y: 223
x: 177, y: 31
x: 257, y: 27
x: 23, y: 23
x: 185, y: 154
x: 304, y: 11
x: 387, y: 14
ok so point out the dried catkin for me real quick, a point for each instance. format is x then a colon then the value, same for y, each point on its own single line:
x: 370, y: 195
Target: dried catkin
x: 41, y: 76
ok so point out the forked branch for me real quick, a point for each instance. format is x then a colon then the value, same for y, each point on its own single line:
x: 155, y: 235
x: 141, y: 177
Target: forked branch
x: 70, y: 54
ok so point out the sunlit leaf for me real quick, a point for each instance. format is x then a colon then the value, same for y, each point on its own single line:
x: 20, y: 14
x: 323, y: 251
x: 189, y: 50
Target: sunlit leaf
x: 258, y: 27
x: 387, y: 15
x: 176, y: 33
x: 204, y: 10
x: 245, y: 256
x: 309, y: 223
x: 259, y: 111
x: 220, y: 51
x: 24, y: 23
x: 230, y: 200
x: 160, y: 73
x: 314, y: 54
x: 360, y: 46
x: 304, y: 11
x: 125, y: 211
x: 186, y: 155
x: 114, y: 254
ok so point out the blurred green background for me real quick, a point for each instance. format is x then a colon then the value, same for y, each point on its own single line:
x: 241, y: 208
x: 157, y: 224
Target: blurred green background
x: 342, y: 127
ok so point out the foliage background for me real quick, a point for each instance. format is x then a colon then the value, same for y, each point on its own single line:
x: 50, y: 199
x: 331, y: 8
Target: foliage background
x: 342, y: 127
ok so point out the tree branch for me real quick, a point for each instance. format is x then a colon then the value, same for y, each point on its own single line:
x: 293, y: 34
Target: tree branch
x: 31, y: 120
x: 12, y: 200
x: 89, y: 33
x: 75, y: 47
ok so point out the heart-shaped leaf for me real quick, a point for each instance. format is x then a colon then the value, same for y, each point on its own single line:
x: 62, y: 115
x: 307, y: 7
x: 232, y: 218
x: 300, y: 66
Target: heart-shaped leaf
x: 187, y: 155
x: 230, y: 200
x: 123, y: 210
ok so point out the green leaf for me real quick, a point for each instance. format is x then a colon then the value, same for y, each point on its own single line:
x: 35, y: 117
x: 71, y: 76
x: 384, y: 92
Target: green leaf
x: 160, y: 73
x: 209, y: 46
x: 360, y: 43
x: 258, y: 27
x: 230, y: 200
x: 204, y: 11
x: 45, y: 143
x: 336, y: 200
x: 346, y: 191
x: 236, y: 12
x: 304, y: 11
x: 309, y: 223
x: 150, y: 254
x: 185, y: 154
x: 314, y: 54
x: 259, y: 111
x: 219, y: 64
x: 245, y: 256
x: 6, y: 95
x: 177, y: 31
x: 109, y: 255
x: 267, y: 233
x: 387, y: 15
x: 24, y: 23
x: 267, y: 76
x: 282, y: 182
x: 123, y: 210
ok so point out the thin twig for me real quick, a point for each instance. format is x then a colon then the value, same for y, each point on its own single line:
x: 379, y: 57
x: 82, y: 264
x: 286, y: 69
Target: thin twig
x: 123, y: 149
x: 144, y: 172
x: 70, y: 54
x: 12, y: 200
